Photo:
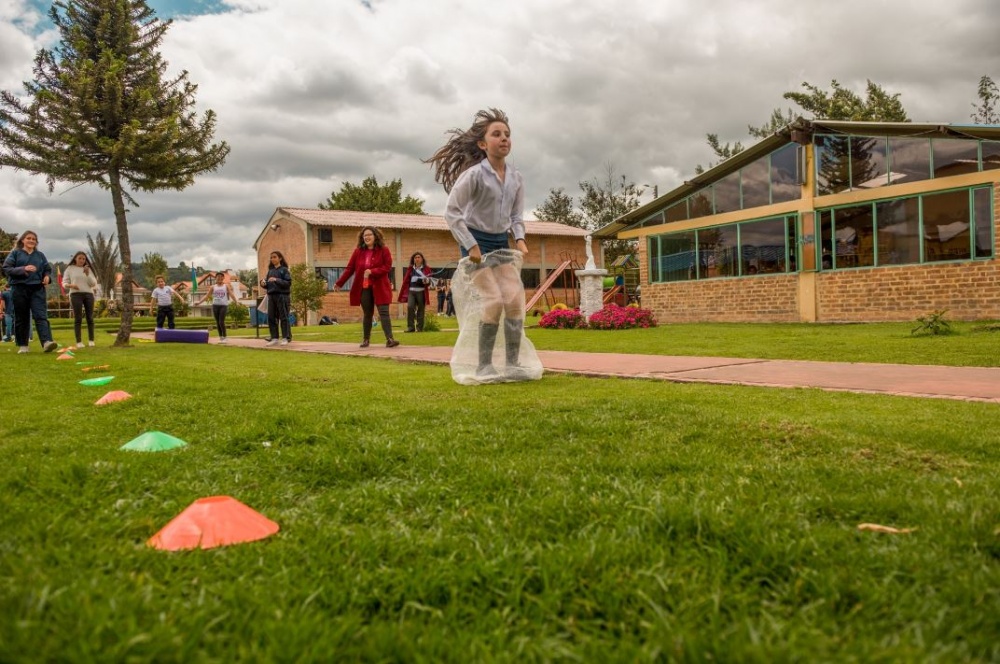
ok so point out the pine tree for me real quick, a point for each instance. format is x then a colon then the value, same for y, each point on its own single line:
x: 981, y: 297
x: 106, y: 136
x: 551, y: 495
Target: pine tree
x: 101, y: 110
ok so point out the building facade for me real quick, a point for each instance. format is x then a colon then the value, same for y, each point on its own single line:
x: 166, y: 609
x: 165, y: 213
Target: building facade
x: 830, y: 222
x: 325, y: 239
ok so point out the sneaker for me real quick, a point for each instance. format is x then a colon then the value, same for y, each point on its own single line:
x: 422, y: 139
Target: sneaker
x: 284, y: 342
x: 23, y: 349
x: 90, y: 343
x: 391, y: 343
x: 222, y: 340
x: 409, y: 330
x: 272, y: 342
x: 50, y: 346
x: 364, y: 343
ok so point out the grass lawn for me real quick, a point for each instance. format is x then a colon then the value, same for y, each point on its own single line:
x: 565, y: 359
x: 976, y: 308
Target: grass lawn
x: 972, y: 344
x: 567, y: 519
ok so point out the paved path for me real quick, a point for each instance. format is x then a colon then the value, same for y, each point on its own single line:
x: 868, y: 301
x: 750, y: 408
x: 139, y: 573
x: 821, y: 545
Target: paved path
x: 962, y: 383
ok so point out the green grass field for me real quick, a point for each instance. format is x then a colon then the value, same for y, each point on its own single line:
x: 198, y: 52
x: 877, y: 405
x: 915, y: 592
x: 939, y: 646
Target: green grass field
x: 571, y: 518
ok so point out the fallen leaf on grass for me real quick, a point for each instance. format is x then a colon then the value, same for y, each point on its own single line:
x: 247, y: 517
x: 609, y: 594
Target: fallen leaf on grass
x: 876, y: 528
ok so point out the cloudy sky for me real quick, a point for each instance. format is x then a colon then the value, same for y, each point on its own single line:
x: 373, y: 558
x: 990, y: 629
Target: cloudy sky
x: 310, y: 95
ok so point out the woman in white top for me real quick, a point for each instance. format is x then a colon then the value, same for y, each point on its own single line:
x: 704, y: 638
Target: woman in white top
x: 222, y: 295
x: 80, y: 282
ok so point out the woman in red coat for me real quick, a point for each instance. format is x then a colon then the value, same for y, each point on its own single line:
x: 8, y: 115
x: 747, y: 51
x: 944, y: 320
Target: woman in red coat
x: 371, y: 263
x: 415, y: 291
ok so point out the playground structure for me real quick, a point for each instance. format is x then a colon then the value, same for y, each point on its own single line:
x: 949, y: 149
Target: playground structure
x: 621, y: 286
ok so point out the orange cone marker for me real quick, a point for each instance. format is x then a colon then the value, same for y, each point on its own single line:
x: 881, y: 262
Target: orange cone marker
x: 113, y: 396
x: 211, y: 522
x: 65, y: 356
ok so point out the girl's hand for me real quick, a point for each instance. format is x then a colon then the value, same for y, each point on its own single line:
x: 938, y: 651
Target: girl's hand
x: 30, y: 268
x: 368, y: 273
x: 45, y: 281
x: 522, y: 246
x: 86, y: 271
x: 475, y: 255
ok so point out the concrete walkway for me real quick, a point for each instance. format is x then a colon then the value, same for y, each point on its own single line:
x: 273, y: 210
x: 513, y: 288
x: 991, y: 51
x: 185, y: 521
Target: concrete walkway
x: 962, y: 383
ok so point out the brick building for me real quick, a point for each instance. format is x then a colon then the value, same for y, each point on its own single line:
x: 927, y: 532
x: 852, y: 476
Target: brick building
x: 829, y: 221
x: 324, y: 240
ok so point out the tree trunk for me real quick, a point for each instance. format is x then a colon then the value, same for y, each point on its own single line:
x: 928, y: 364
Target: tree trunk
x: 125, y: 253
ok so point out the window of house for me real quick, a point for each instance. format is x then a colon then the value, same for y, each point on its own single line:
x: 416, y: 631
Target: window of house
x: 909, y: 160
x: 531, y: 277
x: 868, y: 163
x: 954, y: 156
x: 898, y: 223
x: 784, y: 174
x: 330, y: 276
x: 982, y: 210
x: 676, y: 257
x: 854, y: 236
x: 700, y: 204
x: 762, y: 247
x: 755, y: 180
x: 833, y: 164
x: 727, y: 193
x: 325, y: 236
x: 718, y: 252
x: 946, y: 226
x: 677, y: 212
x: 990, y: 154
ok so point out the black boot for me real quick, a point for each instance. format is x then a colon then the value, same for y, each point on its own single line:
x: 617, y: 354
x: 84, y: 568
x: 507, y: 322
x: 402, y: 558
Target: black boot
x: 513, y: 329
x: 487, y: 339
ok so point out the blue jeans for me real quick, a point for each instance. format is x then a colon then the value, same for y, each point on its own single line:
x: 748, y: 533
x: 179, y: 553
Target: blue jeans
x: 487, y: 242
x: 29, y: 302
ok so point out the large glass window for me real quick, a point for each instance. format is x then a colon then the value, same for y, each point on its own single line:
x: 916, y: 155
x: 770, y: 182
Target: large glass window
x: 982, y: 206
x: 946, y: 226
x: 991, y: 155
x: 727, y: 193
x: 677, y: 211
x: 854, y: 236
x: 898, y: 231
x: 756, y: 183
x: 909, y: 160
x: 701, y: 204
x: 653, y: 258
x: 784, y: 174
x: 718, y: 252
x: 653, y: 220
x: 833, y: 164
x: 868, y: 168
x: 955, y: 157
x: 762, y: 246
x: 677, y: 257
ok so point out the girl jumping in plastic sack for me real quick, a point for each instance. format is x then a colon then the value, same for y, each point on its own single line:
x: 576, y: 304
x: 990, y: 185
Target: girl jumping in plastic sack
x: 485, y: 207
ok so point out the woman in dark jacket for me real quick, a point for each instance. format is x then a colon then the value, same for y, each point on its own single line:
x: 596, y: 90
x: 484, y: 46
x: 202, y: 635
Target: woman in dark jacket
x: 415, y: 291
x: 278, y: 283
x: 371, y: 264
x: 29, y: 272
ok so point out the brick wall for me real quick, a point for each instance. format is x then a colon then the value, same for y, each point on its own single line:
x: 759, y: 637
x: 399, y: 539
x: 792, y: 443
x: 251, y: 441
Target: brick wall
x: 766, y: 299
x: 968, y: 291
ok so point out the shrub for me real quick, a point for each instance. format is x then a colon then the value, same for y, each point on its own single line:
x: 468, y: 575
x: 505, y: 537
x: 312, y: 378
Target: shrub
x: 238, y: 313
x: 932, y: 323
x: 615, y: 317
x: 563, y: 319
x: 431, y: 322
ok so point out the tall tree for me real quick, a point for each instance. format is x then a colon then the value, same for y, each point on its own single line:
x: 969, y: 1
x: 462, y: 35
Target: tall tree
x: 101, y: 110
x: 7, y: 240
x: 989, y: 96
x: 558, y: 207
x: 837, y: 104
x: 152, y: 265
x: 370, y: 196
x: 104, y: 259
x: 604, y: 200
x: 307, y: 291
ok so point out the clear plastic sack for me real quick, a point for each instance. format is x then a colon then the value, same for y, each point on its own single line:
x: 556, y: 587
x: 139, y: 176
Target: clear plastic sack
x: 488, y: 352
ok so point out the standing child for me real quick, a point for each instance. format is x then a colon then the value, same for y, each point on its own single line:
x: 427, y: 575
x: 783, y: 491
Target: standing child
x: 80, y: 281
x: 222, y: 295
x: 415, y: 292
x: 278, y: 283
x: 28, y: 272
x: 163, y: 296
x: 485, y: 207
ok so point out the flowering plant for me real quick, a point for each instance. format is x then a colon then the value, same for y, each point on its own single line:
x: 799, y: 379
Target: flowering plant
x: 563, y: 319
x: 614, y: 317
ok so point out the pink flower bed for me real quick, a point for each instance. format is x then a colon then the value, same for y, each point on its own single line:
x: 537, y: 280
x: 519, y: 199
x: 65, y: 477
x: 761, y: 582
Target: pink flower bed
x: 563, y: 319
x: 614, y: 317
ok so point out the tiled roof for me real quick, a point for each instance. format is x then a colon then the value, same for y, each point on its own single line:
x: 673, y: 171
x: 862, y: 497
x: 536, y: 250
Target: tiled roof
x: 422, y: 222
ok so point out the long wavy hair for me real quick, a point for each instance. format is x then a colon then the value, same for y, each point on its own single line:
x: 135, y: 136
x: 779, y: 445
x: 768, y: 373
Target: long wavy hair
x: 379, y: 239
x: 423, y: 261
x: 462, y: 150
